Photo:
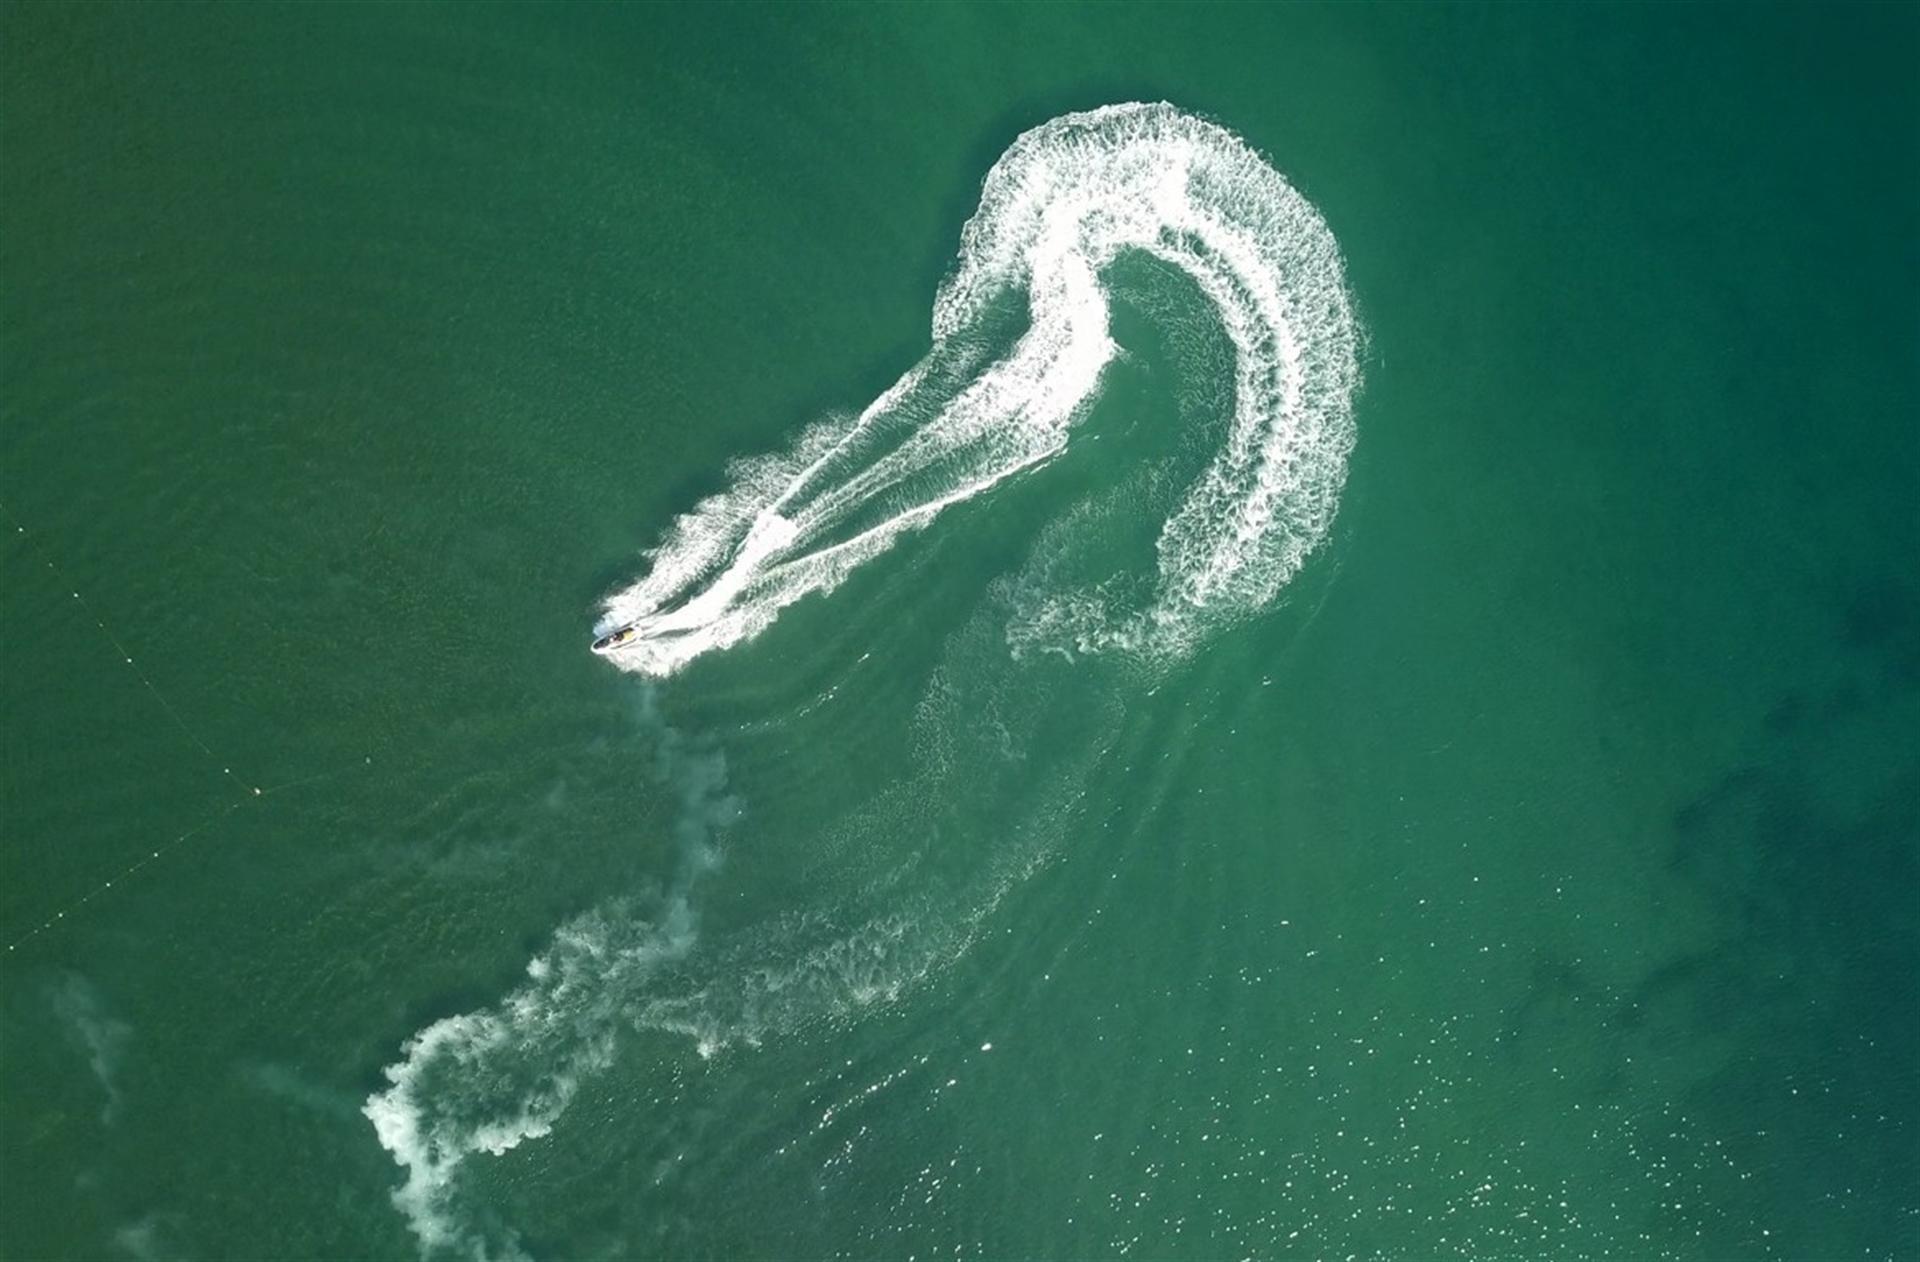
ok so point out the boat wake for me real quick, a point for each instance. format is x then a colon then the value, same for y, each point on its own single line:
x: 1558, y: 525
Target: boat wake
x: 1060, y: 208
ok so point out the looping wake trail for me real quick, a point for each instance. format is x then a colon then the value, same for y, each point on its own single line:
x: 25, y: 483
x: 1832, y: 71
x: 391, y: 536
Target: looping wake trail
x: 1060, y: 205
x: 903, y: 881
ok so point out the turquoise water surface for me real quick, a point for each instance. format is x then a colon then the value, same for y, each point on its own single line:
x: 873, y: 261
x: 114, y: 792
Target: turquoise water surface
x: 1480, y: 822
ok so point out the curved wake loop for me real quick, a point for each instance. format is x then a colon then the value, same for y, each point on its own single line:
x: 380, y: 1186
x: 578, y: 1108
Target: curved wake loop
x: 1064, y: 202
x: 1061, y: 205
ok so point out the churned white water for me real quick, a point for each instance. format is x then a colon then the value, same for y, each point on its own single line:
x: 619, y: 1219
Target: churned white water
x: 1064, y: 202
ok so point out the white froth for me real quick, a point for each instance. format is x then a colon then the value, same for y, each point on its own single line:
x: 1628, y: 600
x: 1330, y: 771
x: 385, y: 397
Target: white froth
x: 1059, y: 207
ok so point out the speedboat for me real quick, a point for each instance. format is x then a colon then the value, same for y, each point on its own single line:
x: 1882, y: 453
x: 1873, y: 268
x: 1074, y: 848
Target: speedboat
x: 614, y: 639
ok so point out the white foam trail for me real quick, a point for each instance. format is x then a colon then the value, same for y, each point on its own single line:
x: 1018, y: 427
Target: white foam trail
x: 102, y: 1036
x: 1062, y: 204
x: 486, y: 1082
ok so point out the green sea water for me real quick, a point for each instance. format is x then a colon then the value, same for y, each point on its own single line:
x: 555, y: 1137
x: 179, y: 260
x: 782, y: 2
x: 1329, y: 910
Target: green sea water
x: 1536, y: 877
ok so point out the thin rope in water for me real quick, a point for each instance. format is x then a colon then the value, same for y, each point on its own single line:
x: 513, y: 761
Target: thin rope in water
x: 34, y: 543
x: 61, y: 915
x: 226, y: 769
